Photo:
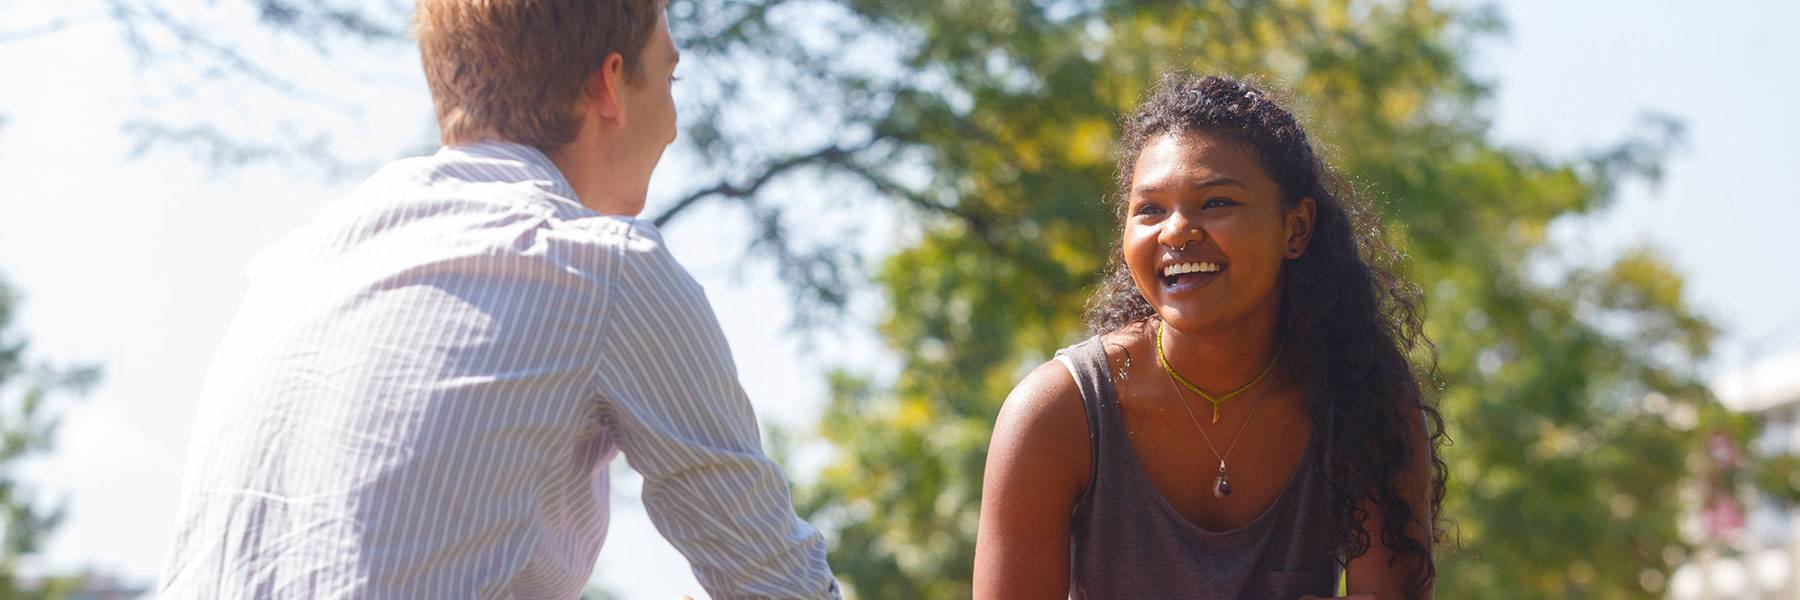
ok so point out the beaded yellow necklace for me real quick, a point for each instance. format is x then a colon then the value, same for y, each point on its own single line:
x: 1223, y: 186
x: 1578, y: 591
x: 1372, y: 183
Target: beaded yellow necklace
x: 1215, y: 400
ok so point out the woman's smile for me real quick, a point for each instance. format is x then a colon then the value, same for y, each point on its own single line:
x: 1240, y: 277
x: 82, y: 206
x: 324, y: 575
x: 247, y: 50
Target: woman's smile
x: 1180, y: 276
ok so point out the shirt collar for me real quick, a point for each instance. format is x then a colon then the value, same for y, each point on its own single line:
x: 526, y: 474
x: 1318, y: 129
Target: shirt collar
x: 534, y: 162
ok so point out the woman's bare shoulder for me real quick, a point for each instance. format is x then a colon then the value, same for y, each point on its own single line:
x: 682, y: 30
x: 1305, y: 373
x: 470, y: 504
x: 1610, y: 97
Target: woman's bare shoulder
x: 1043, y: 425
x: 1047, y: 397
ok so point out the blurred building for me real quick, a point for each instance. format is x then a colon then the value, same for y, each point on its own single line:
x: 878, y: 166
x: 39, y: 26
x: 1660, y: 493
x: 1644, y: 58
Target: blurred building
x: 1748, y: 551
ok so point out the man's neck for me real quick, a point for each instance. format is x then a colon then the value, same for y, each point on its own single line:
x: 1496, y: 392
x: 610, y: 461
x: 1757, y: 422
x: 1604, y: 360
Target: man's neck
x: 597, y: 185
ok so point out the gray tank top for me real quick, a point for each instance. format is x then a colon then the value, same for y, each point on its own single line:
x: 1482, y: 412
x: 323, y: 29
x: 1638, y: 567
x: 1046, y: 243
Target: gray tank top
x: 1128, y: 542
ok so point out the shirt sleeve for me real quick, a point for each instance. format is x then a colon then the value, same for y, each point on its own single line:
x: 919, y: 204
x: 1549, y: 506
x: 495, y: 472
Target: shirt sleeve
x: 670, y: 389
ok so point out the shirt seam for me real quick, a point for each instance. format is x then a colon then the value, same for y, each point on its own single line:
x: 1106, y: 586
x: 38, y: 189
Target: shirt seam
x: 609, y: 282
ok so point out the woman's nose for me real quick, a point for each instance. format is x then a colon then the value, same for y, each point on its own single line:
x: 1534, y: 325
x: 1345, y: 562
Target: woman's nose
x: 1179, y: 231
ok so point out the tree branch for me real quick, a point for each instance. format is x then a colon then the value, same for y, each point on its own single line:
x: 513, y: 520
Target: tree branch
x: 833, y: 154
x: 224, y: 57
x: 19, y: 35
x: 976, y: 222
x: 316, y: 18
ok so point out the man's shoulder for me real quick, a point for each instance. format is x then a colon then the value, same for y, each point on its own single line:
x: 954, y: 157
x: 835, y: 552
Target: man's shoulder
x: 646, y: 259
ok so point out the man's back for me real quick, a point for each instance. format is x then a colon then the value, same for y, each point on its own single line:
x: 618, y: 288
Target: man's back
x: 424, y: 385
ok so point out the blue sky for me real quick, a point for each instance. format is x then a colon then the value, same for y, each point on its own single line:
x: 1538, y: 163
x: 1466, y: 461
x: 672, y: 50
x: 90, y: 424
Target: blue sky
x: 1576, y: 74
x: 138, y: 263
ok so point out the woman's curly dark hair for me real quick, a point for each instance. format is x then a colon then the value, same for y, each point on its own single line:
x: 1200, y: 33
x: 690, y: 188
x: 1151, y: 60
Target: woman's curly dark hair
x: 1348, y: 321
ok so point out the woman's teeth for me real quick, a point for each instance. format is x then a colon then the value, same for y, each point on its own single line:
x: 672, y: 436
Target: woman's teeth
x: 1190, y: 267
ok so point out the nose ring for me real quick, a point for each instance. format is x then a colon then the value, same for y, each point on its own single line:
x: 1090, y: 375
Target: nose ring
x: 1184, y: 245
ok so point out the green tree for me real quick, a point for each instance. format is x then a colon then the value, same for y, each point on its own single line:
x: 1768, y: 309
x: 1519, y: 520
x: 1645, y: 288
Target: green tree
x: 28, y: 420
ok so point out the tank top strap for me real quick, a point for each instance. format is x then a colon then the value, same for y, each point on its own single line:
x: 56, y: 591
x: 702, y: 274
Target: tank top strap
x: 1087, y: 362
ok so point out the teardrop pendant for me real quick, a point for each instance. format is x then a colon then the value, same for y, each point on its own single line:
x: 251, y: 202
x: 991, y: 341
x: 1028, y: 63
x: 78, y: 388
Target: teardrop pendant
x: 1222, y: 485
x: 1215, y: 413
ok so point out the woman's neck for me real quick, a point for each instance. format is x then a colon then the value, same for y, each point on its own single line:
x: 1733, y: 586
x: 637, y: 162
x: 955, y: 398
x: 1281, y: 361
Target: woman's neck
x: 1221, y: 358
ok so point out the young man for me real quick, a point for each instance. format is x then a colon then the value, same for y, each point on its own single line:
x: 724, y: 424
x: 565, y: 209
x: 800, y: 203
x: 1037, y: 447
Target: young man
x: 424, y: 386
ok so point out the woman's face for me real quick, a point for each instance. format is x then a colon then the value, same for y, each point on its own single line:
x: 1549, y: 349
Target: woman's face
x: 1205, y: 234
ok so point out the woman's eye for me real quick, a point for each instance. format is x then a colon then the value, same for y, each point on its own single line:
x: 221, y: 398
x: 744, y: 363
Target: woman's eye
x: 1216, y: 203
x: 1148, y: 209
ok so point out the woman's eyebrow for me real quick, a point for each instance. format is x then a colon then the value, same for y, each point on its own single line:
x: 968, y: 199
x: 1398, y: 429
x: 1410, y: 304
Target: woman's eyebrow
x: 1189, y: 183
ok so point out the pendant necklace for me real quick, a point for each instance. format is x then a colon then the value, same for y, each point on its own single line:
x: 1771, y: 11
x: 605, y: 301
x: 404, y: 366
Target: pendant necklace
x: 1222, y: 485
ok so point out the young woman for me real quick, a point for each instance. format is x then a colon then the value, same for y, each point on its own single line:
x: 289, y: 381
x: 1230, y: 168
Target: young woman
x: 1247, y: 422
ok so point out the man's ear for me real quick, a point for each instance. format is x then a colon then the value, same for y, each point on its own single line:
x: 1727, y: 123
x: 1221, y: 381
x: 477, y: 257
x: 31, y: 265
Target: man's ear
x: 1298, y: 225
x: 605, y: 90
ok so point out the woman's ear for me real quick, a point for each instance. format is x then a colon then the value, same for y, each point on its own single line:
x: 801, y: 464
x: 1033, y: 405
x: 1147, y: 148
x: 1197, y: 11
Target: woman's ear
x: 1297, y: 227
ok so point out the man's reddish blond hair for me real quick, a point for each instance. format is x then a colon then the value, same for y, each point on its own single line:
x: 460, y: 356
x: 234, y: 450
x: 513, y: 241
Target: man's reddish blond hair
x: 512, y: 70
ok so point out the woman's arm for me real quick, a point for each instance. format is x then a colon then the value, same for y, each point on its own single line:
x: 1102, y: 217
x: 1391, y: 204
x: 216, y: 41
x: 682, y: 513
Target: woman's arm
x: 1039, y: 462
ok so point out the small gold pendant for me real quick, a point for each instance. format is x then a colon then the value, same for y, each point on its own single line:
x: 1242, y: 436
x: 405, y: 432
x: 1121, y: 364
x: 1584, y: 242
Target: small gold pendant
x: 1215, y: 413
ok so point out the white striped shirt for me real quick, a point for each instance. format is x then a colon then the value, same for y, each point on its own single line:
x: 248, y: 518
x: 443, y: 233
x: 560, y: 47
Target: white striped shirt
x: 423, y: 388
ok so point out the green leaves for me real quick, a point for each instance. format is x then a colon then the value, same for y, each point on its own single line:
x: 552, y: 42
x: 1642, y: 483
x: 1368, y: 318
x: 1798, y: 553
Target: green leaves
x: 28, y: 423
